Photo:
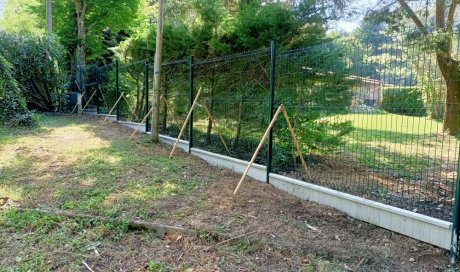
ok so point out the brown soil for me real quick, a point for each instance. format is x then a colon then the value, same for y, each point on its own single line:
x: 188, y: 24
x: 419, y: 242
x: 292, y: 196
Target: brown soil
x: 290, y: 234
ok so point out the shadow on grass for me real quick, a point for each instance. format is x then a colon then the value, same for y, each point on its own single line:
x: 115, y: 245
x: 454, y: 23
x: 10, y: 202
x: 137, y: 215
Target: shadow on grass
x: 101, y: 171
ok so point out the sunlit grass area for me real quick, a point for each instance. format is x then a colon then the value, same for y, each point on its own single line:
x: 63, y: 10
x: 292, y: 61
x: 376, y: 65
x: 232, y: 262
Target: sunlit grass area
x: 68, y: 164
x: 393, y: 123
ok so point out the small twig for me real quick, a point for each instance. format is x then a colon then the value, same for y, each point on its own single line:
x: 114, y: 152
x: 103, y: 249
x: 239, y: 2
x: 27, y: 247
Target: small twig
x: 360, y: 262
x: 312, y: 228
x: 228, y: 240
x: 87, y: 266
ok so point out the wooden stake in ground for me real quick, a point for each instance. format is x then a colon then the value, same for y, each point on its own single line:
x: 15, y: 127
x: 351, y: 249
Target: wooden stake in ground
x: 185, y: 123
x: 87, y: 103
x: 143, y: 120
x: 132, y: 112
x: 280, y: 109
x: 168, y: 106
x: 213, y: 121
x: 114, y: 106
x: 76, y: 104
x: 103, y: 98
x: 296, y: 143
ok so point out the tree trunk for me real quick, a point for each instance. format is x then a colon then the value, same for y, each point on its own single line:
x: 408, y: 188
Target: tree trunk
x: 80, y: 50
x: 156, y: 75
x: 49, y: 17
x: 449, y: 69
x: 448, y: 66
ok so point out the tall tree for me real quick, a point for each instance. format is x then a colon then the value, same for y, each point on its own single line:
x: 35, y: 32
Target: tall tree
x: 442, y: 33
x: 80, y: 50
x: 156, y: 76
x: 18, y: 18
x: 82, y: 25
x: 49, y: 17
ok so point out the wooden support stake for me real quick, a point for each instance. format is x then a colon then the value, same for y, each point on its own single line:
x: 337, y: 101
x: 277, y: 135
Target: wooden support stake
x: 132, y: 112
x: 185, y: 123
x: 103, y: 98
x: 143, y: 120
x: 76, y: 105
x: 168, y: 105
x: 270, y: 126
x: 296, y: 142
x: 220, y: 135
x: 87, y: 103
x: 113, y: 108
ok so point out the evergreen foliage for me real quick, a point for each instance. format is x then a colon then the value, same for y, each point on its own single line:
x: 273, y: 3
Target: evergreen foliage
x: 13, y: 110
x: 37, y: 67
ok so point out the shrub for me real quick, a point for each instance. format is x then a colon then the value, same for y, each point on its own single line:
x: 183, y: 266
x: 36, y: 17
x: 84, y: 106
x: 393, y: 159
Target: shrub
x: 36, y: 67
x: 403, y: 100
x: 13, y: 110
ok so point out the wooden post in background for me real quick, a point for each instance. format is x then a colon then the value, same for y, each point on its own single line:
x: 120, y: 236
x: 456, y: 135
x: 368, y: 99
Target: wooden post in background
x: 156, y: 75
x: 49, y: 17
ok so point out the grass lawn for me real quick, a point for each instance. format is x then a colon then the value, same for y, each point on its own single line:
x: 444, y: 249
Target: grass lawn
x: 83, y: 165
x: 406, y: 148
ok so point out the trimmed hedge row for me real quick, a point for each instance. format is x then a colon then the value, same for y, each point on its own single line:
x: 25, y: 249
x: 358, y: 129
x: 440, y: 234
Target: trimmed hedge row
x: 403, y: 100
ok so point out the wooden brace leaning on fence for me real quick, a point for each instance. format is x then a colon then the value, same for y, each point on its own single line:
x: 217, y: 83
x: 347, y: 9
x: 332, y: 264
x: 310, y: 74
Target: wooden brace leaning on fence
x: 195, y: 103
x: 280, y: 109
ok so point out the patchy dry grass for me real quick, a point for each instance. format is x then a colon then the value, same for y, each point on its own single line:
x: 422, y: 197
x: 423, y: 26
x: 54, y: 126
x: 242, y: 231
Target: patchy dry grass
x: 86, y: 166
x: 72, y: 167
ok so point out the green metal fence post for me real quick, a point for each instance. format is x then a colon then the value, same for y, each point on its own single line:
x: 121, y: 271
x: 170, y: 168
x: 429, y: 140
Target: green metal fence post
x: 117, y: 87
x: 146, y: 90
x: 271, y: 105
x: 456, y: 218
x: 190, y: 102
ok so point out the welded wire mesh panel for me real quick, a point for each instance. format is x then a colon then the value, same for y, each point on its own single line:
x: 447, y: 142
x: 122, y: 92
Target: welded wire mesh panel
x: 369, y: 117
x: 235, y: 93
x: 376, y: 118
x: 174, y: 102
x: 132, y: 85
x: 87, y: 85
x: 107, y: 90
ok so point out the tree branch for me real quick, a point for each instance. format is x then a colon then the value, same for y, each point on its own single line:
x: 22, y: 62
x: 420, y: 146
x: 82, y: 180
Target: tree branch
x: 450, y: 16
x: 413, y: 16
x: 449, y: 26
x: 440, y: 8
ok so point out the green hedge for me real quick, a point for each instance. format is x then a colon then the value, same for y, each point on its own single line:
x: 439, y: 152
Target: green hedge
x: 37, y: 67
x: 403, y: 100
x: 13, y: 110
